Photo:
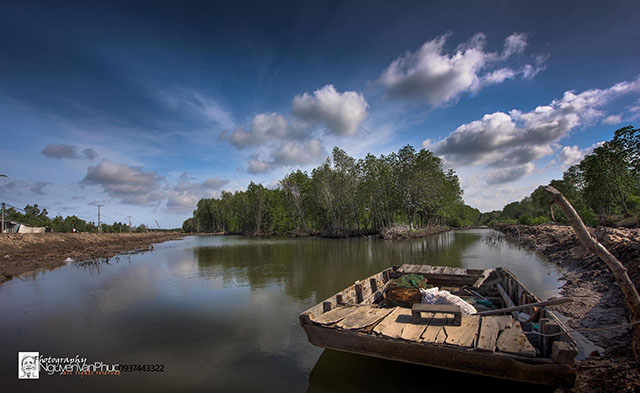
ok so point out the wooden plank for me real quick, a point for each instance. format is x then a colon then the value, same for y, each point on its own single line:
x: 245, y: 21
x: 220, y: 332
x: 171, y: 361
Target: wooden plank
x: 434, y: 333
x: 507, y: 299
x: 363, y: 317
x: 387, y: 322
x: 488, y: 335
x: 465, y: 334
x: 359, y: 294
x: 424, y: 269
x: 512, y: 340
x: 483, y: 277
x: 563, y: 353
x: 447, y: 270
x: 333, y: 316
x: 400, y: 324
x: 433, y: 269
x: 414, y: 329
x: 459, y: 271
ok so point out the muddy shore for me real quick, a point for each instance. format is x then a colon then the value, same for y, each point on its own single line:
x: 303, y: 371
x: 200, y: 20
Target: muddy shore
x: 22, y: 253
x: 598, y: 300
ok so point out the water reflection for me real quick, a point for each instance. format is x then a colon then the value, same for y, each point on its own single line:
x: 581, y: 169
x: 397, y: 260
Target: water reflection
x: 221, y: 313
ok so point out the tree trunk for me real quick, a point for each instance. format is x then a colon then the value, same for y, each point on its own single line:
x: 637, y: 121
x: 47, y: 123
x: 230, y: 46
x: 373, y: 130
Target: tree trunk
x: 618, y: 270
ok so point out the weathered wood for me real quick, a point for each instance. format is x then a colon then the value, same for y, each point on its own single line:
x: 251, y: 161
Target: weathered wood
x: 434, y: 333
x: 333, y: 316
x: 507, y: 300
x: 359, y: 295
x: 547, y: 342
x: 488, y: 335
x: 389, y: 327
x: 619, y: 271
x: 374, y: 284
x: 499, y: 365
x: 419, y: 308
x: 465, y: 334
x: 326, y: 306
x: 524, y: 306
x: 483, y: 277
x: 513, y: 340
x: 362, y: 317
x: 563, y: 353
x: 339, y: 299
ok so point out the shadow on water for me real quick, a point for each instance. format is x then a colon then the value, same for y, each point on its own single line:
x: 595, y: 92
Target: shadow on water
x: 345, y: 372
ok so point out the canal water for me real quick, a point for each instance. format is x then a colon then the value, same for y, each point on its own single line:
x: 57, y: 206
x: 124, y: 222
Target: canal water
x: 220, y: 314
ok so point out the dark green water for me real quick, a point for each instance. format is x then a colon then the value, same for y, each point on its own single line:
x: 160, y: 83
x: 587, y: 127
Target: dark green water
x: 221, y: 314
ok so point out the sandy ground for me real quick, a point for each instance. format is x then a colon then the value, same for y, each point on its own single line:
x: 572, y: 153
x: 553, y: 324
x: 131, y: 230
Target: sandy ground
x: 598, y: 300
x: 21, y: 253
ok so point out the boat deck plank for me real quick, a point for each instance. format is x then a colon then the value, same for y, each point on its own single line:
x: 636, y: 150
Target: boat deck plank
x: 434, y: 333
x: 465, y: 334
x: 512, y: 340
x: 362, y: 317
x: 392, y: 325
x: 333, y: 316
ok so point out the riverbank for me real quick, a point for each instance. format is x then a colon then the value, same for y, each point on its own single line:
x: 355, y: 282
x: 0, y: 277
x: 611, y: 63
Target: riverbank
x: 598, y: 300
x: 22, y: 253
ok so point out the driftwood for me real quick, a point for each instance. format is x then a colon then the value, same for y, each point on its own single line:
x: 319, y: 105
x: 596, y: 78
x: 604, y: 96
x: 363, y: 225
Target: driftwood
x: 525, y: 306
x: 617, y: 268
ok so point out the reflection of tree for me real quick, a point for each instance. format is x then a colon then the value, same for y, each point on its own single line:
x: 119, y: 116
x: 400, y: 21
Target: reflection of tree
x: 305, y: 267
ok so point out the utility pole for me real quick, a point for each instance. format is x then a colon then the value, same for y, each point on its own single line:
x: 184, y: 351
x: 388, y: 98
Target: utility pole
x: 129, y: 224
x: 2, y: 227
x: 99, y: 224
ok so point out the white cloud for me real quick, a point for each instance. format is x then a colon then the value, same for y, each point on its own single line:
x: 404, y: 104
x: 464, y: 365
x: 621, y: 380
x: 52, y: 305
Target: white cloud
x: 267, y: 127
x: 517, y: 138
x: 499, y: 176
x: 612, y: 119
x: 571, y: 155
x: 129, y: 184
x: 340, y: 113
x: 186, y: 193
x: 436, y: 77
x: 289, y: 154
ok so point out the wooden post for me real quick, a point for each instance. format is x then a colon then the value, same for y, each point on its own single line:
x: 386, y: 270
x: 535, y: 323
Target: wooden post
x: 617, y: 268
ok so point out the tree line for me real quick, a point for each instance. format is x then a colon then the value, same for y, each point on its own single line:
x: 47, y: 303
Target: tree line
x: 604, y: 188
x: 343, y: 196
x: 33, y: 215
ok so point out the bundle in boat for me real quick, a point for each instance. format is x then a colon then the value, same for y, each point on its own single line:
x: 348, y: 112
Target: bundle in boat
x: 404, y: 291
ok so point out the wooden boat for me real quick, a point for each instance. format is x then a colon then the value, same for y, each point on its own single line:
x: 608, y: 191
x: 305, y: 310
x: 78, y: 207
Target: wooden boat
x: 353, y: 320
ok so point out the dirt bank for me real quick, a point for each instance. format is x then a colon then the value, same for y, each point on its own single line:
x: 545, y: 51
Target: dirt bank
x: 21, y: 253
x: 599, y: 302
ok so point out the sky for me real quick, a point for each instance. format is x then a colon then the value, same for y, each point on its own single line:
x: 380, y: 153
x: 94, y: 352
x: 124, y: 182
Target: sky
x: 146, y: 107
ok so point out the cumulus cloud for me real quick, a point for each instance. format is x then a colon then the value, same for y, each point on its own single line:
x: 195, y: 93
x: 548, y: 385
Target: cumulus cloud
x: 185, y: 194
x: 515, y: 138
x: 612, y: 119
x: 131, y: 185
x: 60, y: 151
x: 571, y: 155
x: 340, y: 113
x: 267, y: 127
x: 436, y: 77
x: 499, y: 176
x: 289, y: 154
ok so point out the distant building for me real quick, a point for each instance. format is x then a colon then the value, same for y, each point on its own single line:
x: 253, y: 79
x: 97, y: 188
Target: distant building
x: 18, y: 227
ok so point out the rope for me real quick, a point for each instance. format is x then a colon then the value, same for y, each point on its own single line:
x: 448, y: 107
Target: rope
x: 587, y: 329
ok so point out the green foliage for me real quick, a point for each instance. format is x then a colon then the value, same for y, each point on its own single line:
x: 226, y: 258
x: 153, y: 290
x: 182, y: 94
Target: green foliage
x: 343, y: 195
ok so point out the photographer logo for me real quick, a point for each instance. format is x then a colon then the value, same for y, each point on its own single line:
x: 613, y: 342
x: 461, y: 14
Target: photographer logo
x: 28, y: 365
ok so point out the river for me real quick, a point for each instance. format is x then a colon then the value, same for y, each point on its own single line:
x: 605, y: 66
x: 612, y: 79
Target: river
x: 220, y: 313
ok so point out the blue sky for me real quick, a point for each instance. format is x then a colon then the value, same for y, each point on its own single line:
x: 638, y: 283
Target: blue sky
x: 146, y: 107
